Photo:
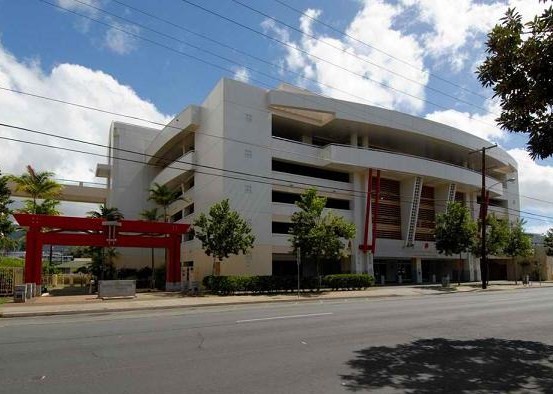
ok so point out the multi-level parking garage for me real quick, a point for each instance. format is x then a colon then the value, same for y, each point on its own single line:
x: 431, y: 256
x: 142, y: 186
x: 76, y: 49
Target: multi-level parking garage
x: 263, y: 148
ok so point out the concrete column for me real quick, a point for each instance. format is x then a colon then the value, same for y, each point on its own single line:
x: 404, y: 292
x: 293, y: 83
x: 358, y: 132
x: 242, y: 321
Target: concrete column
x: 468, y: 269
x: 365, y: 141
x: 476, y: 268
x: 353, y: 139
x: 358, y: 213
x: 416, y: 264
x: 307, y: 139
x: 370, y: 264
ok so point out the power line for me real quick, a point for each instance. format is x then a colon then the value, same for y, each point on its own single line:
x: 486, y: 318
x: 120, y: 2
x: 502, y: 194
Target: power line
x: 253, y: 9
x: 379, y: 50
x: 265, y: 179
x: 359, y: 75
x: 202, y: 60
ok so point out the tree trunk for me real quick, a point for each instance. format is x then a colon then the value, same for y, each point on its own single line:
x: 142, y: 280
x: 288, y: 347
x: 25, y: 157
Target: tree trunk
x: 460, y: 266
x: 515, y: 264
x: 153, y: 271
x: 318, y: 275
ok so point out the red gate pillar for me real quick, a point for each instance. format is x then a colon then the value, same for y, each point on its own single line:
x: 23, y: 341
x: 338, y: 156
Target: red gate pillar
x: 30, y: 259
x: 38, y: 259
x: 173, y: 282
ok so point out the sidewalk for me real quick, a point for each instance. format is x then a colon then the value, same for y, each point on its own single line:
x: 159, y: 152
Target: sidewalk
x: 88, y: 304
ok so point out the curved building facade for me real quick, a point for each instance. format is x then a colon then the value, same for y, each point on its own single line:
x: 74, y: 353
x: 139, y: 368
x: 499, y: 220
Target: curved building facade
x: 262, y: 148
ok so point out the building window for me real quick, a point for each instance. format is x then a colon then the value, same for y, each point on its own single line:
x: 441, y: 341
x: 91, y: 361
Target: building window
x: 189, y: 210
x: 281, y: 227
x: 291, y: 198
x: 314, y: 172
x: 247, y: 188
x: 249, y: 117
x: 248, y: 153
x: 189, y: 236
x: 176, y: 217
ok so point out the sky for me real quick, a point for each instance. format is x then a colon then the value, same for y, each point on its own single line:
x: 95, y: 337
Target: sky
x: 151, y: 59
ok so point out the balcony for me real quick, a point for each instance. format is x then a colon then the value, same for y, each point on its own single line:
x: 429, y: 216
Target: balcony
x: 174, y: 133
x: 356, y: 158
x: 177, y: 171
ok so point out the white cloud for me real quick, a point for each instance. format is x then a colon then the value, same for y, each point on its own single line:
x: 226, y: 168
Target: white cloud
x: 241, y: 74
x: 81, y: 5
x: 455, y: 25
x: 71, y: 83
x: 536, y: 189
x: 481, y: 125
x: 348, y: 70
x: 120, y: 42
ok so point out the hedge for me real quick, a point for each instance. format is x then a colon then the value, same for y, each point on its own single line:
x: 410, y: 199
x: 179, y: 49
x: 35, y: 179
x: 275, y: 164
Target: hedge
x: 226, y: 285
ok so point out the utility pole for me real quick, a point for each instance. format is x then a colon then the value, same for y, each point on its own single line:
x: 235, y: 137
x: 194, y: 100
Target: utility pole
x: 483, y: 218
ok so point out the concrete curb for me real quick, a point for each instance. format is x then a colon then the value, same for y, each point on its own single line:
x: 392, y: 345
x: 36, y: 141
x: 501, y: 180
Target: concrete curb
x: 16, y: 314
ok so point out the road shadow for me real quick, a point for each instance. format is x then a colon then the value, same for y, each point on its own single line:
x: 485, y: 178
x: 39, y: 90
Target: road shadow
x: 442, y: 365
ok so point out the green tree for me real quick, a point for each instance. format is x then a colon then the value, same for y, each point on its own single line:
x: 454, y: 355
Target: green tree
x: 163, y: 196
x: 518, y: 68
x: 6, y: 225
x: 38, y: 185
x: 497, y: 235
x: 100, y: 267
x: 319, y: 235
x: 548, y: 242
x: 518, y: 244
x: 456, y: 232
x: 151, y: 215
x: 222, y: 233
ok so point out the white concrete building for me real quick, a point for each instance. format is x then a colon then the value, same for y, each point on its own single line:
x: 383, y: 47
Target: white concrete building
x: 262, y: 148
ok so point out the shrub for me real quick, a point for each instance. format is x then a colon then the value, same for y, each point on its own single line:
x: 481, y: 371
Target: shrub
x: 226, y: 285
x: 348, y: 281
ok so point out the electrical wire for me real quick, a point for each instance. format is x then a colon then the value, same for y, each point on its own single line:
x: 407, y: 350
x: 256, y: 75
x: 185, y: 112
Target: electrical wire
x: 265, y: 179
x: 132, y: 34
x: 379, y: 50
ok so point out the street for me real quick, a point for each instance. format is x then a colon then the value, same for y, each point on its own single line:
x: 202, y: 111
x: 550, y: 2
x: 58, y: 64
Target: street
x: 488, y: 342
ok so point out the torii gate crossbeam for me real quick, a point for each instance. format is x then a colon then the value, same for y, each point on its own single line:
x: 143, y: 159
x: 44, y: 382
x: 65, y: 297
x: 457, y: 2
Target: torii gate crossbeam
x: 75, y: 231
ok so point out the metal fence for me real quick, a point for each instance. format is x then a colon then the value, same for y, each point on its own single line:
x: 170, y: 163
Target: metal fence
x: 9, y: 278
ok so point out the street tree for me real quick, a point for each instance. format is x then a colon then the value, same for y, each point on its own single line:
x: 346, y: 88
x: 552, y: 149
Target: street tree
x: 548, y: 242
x: 151, y: 215
x: 456, y: 232
x: 518, y: 69
x: 497, y: 234
x: 223, y: 233
x: 163, y: 196
x: 6, y: 225
x: 518, y: 244
x: 319, y: 235
x: 38, y: 185
x: 99, y: 267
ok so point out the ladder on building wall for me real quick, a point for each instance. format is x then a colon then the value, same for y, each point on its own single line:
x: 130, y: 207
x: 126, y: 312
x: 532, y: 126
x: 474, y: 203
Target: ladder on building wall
x: 451, y: 194
x: 413, y: 217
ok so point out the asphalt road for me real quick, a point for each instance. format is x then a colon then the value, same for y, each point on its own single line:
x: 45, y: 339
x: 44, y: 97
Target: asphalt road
x: 477, y: 342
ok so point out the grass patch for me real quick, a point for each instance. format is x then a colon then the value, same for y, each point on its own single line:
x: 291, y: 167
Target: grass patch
x: 11, y: 262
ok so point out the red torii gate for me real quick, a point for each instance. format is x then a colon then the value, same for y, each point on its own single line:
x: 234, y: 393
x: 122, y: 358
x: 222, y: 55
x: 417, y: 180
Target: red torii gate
x: 76, y: 231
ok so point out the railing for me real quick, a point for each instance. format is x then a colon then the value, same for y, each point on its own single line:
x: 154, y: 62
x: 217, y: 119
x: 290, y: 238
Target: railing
x: 9, y: 278
x: 377, y: 150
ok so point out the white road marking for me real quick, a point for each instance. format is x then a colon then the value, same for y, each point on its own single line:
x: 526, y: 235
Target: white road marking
x: 284, y: 317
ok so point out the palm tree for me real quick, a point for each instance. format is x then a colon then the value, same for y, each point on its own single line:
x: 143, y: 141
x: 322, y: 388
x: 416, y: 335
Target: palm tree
x: 39, y: 185
x: 151, y: 215
x: 163, y: 196
x: 108, y: 214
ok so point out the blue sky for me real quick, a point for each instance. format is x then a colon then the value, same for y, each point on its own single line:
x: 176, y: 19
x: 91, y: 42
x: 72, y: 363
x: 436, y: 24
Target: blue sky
x: 416, y: 56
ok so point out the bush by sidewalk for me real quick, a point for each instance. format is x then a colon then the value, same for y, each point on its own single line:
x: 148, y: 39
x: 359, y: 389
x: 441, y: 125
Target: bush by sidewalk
x: 226, y: 285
